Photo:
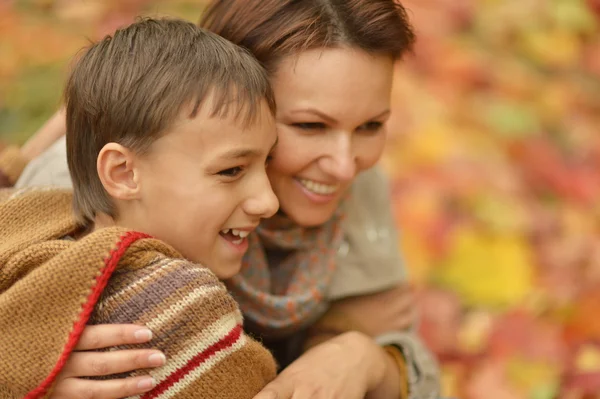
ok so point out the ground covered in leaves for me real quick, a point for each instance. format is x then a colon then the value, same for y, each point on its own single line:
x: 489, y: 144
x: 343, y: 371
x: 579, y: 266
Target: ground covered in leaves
x: 494, y: 159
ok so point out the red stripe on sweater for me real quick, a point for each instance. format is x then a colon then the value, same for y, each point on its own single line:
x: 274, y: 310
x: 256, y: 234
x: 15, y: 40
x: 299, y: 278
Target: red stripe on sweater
x: 110, y: 263
x: 226, y: 342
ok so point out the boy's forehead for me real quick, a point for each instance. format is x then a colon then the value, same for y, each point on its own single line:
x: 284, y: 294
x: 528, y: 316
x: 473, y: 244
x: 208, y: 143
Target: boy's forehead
x: 222, y: 136
x: 234, y: 108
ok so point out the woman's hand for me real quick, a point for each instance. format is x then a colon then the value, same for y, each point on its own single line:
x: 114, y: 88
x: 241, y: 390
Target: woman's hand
x: 348, y: 366
x: 379, y: 313
x: 41, y: 140
x: 91, y: 364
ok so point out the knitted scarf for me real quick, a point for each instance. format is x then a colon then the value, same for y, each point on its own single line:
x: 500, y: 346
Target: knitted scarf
x: 285, y: 297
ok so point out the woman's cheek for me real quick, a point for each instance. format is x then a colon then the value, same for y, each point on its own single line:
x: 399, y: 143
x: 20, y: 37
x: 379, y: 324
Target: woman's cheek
x: 369, y: 151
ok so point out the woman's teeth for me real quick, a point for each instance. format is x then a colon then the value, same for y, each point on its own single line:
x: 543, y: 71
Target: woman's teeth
x: 237, y: 236
x: 319, y: 188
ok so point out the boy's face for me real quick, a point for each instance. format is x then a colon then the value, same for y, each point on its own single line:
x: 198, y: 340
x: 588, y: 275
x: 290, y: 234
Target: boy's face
x: 204, y: 187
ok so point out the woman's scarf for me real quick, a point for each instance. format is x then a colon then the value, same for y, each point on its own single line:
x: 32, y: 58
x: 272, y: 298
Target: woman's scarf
x: 287, y: 296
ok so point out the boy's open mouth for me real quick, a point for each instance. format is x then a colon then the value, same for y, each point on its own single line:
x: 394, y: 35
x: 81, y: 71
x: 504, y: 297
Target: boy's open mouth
x: 234, y: 236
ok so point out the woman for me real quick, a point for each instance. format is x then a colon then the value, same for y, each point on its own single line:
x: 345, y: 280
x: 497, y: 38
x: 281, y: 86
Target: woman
x: 329, y: 260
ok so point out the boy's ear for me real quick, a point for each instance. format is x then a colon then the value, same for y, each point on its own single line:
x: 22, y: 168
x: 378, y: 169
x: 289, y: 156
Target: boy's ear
x: 117, y: 169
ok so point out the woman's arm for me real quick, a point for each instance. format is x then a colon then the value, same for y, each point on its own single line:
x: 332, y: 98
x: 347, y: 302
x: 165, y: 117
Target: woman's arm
x: 14, y: 160
x: 12, y: 163
x: 349, y: 366
x: 197, y: 327
x: 41, y: 140
x: 370, y: 291
x: 195, y: 323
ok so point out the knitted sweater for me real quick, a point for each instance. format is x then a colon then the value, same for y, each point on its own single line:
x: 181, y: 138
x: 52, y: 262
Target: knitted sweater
x: 51, y: 287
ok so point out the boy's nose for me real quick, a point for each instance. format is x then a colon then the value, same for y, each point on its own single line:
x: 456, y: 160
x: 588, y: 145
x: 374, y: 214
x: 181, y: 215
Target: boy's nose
x: 269, y: 202
x: 263, y: 203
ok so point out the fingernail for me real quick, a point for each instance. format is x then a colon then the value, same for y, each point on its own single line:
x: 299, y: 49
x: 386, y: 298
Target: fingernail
x: 157, y: 359
x: 143, y: 335
x: 146, y: 383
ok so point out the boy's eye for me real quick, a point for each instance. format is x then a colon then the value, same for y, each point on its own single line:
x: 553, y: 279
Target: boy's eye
x: 268, y: 160
x: 309, y: 125
x: 231, y: 172
x: 372, y: 126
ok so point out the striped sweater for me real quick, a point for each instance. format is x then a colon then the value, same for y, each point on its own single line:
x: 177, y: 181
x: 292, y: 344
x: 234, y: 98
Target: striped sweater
x: 51, y: 287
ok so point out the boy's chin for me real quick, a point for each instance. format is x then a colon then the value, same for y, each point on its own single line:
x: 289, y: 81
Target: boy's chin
x: 225, y: 276
x: 224, y: 267
x: 227, y: 270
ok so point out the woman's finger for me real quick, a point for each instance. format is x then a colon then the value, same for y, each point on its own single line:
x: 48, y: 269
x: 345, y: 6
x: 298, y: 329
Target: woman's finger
x: 279, y: 388
x: 75, y: 388
x: 107, y: 335
x: 93, y: 364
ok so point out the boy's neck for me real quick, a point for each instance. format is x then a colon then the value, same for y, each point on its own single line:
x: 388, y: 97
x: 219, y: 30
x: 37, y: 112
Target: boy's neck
x: 101, y: 221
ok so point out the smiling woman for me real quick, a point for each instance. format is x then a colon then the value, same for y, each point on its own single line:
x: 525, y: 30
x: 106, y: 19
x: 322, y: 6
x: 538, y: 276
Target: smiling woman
x: 331, y: 125
x: 327, y: 265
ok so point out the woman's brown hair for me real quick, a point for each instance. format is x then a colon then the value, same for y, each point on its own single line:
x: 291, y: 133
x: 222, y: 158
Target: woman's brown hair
x: 273, y: 29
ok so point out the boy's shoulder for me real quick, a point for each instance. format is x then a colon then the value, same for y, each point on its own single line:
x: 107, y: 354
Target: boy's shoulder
x: 150, y: 273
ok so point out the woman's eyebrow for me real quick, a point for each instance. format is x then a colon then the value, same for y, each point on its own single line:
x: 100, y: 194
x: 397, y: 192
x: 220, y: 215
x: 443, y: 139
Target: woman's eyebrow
x: 332, y: 120
x: 320, y: 114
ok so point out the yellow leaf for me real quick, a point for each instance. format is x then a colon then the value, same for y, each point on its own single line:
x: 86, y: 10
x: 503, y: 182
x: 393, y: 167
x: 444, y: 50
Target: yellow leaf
x: 488, y: 270
x: 588, y: 359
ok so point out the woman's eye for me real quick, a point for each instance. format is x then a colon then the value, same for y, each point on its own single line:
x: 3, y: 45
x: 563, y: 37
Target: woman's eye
x: 231, y: 172
x: 370, y: 126
x: 309, y: 125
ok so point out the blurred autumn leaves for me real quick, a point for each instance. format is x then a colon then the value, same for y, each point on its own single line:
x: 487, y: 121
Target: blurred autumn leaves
x: 495, y: 164
x: 38, y: 38
x: 494, y: 159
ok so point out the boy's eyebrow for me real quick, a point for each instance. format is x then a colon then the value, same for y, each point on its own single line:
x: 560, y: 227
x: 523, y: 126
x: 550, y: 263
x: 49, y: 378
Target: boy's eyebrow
x: 245, y: 152
x: 240, y: 153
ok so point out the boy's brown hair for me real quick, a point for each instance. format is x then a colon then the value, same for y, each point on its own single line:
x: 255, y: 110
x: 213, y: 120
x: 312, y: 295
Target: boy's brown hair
x: 274, y: 29
x: 130, y: 87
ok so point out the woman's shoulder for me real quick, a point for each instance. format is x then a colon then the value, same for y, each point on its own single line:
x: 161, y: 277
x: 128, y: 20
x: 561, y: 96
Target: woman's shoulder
x: 50, y: 168
x: 368, y: 210
x: 369, y: 257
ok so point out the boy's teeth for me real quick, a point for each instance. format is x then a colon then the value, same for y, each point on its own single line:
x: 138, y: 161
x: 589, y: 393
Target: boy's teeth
x: 318, y: 188
x: 237, y: 242
x: 239, y: 233
x: 236, y: 232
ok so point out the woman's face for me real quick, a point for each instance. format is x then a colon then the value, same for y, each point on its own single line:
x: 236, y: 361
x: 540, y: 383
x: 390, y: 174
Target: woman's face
x: 332, y: 105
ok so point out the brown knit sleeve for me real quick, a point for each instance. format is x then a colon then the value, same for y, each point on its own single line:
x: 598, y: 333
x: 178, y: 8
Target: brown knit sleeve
x: 195, y: 322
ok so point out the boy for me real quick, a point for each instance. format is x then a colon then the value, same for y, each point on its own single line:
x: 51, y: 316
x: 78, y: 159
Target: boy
x: 168, y: 131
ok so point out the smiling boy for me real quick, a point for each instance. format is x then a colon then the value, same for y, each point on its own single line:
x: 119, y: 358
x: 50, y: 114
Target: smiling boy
x: 169, y: 128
